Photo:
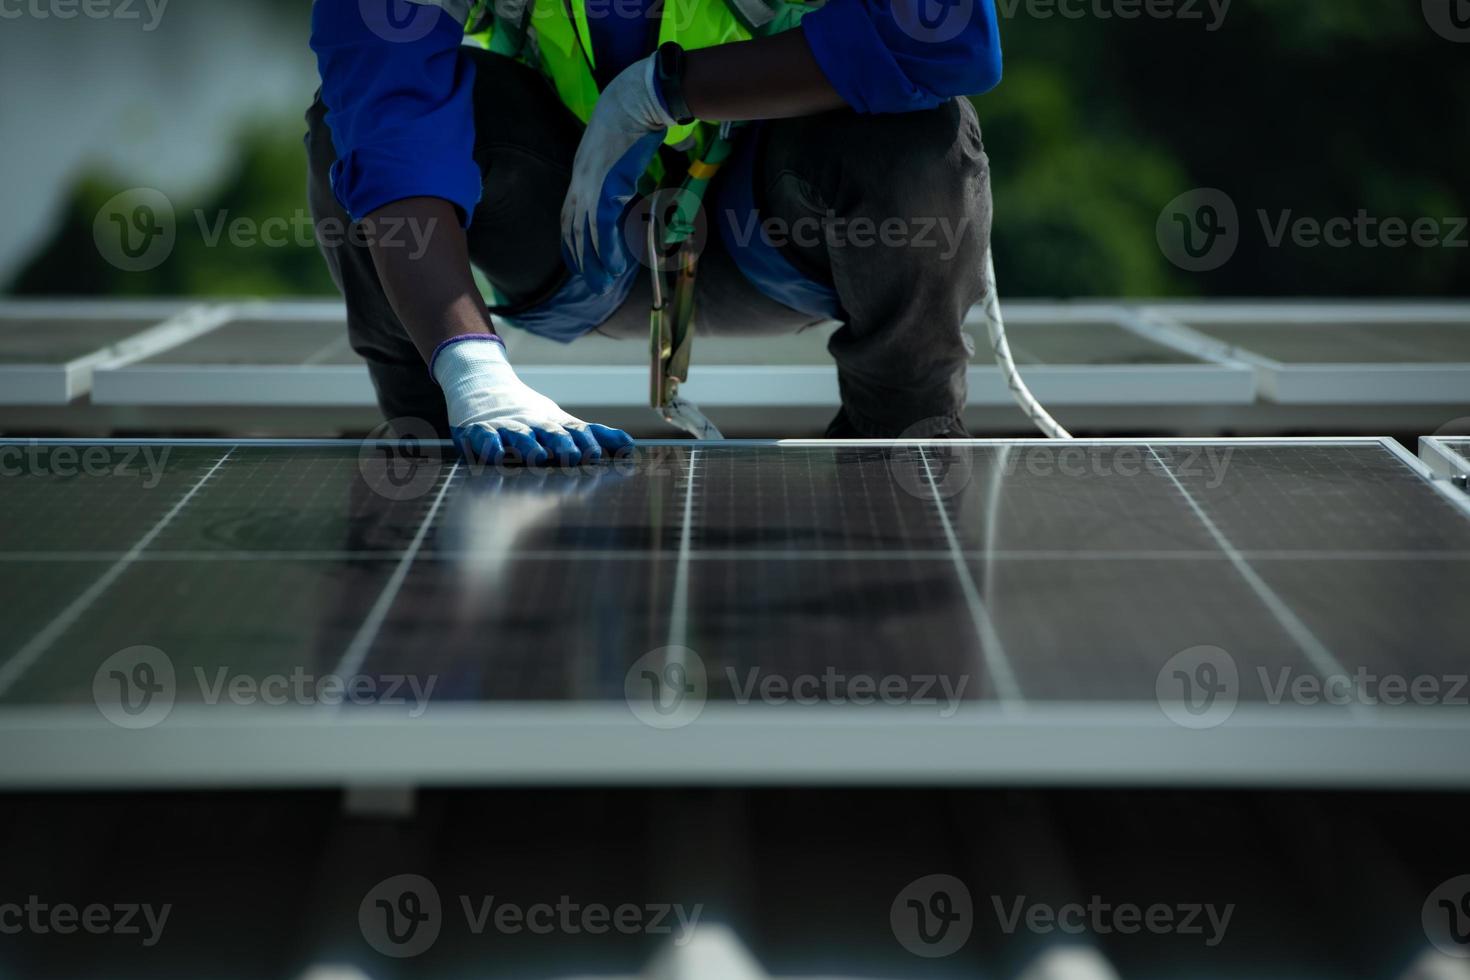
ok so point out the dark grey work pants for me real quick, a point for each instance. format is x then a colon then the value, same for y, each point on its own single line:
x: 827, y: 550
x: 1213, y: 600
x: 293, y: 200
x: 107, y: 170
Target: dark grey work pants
x: 904, y: 286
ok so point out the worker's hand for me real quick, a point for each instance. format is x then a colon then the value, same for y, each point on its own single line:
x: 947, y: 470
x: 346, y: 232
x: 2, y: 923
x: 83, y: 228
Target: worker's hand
x: 493, y: 414
x: 623, y: 134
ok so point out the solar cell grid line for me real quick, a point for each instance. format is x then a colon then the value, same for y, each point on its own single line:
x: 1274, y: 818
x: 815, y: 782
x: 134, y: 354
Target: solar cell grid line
x: 679, y: 610
x: 1008, y: 689
x: 1067, y: 500
x: 299, y: 500
x: 1315, y: 650
x: 1295, y: 497
x: 724, y: 555
x: 14, y: 668
x: 357, y: 650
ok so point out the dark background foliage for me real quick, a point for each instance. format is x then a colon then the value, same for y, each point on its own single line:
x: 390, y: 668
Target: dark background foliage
x: 1294, y: 108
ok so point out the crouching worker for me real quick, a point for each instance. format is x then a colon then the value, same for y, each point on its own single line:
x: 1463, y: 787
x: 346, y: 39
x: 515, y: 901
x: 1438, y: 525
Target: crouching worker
x: 517, y: 137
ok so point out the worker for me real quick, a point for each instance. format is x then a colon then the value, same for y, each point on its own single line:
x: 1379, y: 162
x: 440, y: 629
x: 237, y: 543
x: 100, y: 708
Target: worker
x: 516, y: 137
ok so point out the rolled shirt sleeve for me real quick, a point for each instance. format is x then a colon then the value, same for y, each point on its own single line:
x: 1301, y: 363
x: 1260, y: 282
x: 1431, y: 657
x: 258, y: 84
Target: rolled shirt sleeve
x: 399, y: 99
x: 903, y: 55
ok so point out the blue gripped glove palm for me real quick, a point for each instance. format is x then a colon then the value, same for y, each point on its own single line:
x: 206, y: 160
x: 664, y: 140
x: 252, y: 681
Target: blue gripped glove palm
x: 493, y: 413
x: 621, y: 137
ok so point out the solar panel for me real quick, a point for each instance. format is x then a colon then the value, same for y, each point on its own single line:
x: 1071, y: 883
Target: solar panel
x: 257, y: 341
x: 1447, y: 456
x: 1078, y: 354
x: 296, y: 354
x: 1005, y: 610
x: 254, y: 354
x: 1325, y: 354
x: 48, y: 350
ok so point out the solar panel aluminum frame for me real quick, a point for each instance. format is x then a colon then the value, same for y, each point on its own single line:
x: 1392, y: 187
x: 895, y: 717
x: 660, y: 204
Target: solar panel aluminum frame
x: 1436, y: 453
x: 1056, y: 744
x: 1050, y: 743
x: 1220, y: 381
x: 1323, y: 383
x: 62, y: 382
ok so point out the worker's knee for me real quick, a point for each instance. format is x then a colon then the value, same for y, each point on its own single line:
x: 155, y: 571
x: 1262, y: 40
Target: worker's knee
x: 912, y: 183
x: 932, y: 157
x: 924, y: 165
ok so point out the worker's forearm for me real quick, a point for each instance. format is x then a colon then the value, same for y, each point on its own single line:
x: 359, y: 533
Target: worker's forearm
x: 769, y: 78
x: 426, y: 275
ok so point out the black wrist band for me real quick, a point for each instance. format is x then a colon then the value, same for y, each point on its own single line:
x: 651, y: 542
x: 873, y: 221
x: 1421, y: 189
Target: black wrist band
x: 668, y: 66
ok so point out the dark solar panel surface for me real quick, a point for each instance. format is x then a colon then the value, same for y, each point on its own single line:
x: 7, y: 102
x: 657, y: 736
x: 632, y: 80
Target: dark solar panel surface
x: 1076, y: 570
x: 270, y: 342
x: 1349, y: 343
x: 1087, y: 342
x: 1079, y: 342
x: 34, y: 341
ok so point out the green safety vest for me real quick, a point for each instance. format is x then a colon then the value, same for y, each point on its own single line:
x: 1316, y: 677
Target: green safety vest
x: 552, y: 35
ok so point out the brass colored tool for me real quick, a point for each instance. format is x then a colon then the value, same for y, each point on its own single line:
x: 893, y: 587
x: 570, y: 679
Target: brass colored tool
x: 671, y: 328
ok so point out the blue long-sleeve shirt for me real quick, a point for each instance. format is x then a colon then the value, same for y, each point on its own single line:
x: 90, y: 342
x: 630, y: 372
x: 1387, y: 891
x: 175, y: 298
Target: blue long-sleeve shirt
x: 399, y: 97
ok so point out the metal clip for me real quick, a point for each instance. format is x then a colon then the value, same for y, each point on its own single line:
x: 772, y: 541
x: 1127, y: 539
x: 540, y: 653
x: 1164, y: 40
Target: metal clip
x: 671, y: 322
x: 671, y: 342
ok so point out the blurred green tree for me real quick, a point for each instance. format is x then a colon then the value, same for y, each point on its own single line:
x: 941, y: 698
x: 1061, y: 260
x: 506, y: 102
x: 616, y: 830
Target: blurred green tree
x: 1294, y: 109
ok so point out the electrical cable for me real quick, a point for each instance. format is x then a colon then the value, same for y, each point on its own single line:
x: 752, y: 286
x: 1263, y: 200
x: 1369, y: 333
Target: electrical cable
x: 995, y: 324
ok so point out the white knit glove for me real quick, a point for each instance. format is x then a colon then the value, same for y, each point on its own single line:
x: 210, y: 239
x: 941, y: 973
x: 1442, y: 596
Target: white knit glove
x: 604, y: 171
x: 492, y: 413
